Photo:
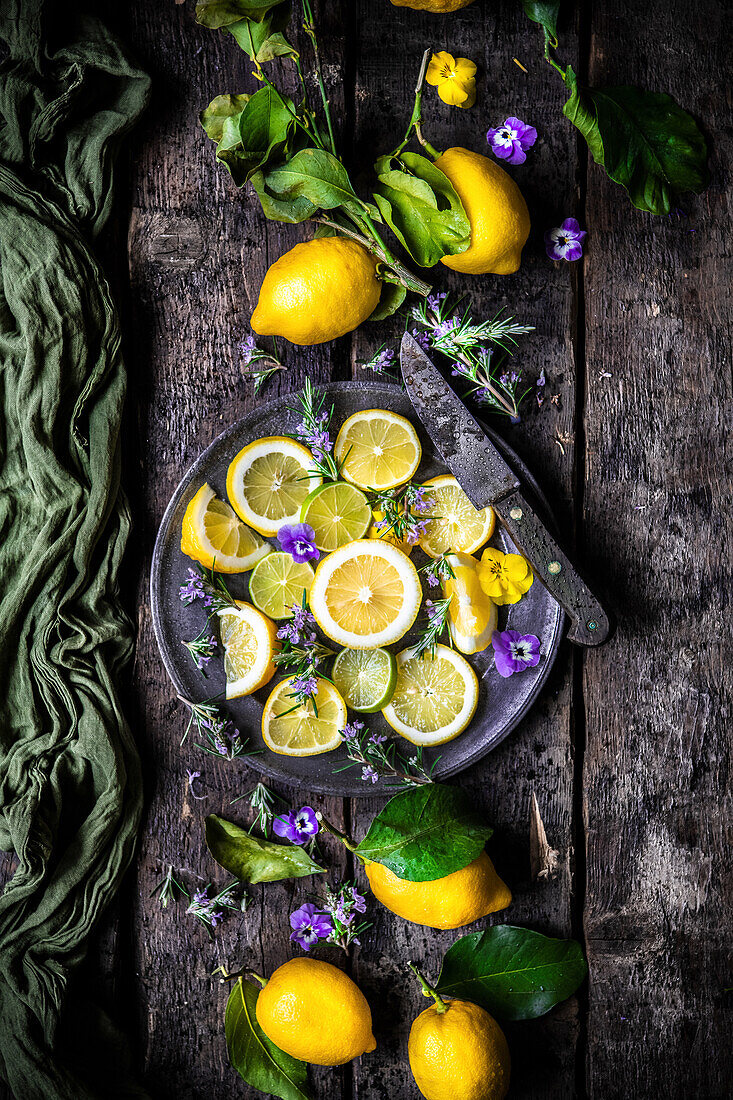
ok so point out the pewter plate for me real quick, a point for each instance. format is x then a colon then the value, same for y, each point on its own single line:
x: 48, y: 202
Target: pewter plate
x: 502, y: 703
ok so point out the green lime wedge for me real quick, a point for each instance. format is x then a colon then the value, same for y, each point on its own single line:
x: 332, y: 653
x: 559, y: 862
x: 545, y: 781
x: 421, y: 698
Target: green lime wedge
x: 277, y: 583
x: 365, y: 678
x: 338, y: 513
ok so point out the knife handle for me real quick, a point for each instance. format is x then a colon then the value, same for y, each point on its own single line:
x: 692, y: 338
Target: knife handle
x: 589, y: 623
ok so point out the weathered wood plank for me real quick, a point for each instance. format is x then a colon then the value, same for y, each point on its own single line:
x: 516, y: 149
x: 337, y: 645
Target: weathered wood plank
x: 539, y: 754
x: 657, y: 515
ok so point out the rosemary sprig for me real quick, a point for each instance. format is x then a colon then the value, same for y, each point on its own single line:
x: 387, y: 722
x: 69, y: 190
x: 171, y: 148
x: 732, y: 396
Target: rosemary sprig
x: 313, y: 429
x: 210, y: 911
x: 223, y: 739
x: 437, y: 570
x: 201, y: 649
x: 166, y: 889
x: 437, y: 624
x: 402, y: 510
x: 209, y: 587
x: 251, y: 355
x: 380, y: 757
x: 301, y: 654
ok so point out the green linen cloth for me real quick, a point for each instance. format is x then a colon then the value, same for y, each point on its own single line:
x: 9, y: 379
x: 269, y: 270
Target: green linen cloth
x: 70, y: 782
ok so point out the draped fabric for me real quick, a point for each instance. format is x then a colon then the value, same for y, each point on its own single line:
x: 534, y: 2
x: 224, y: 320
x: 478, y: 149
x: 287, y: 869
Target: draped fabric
x: 70, y: 783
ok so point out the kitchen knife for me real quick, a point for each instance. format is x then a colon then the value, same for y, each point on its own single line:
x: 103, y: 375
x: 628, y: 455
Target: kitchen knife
x: 488, y: 481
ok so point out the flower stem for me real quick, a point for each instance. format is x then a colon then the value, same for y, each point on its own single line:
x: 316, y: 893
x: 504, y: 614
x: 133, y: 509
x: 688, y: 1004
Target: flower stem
x: 257, y: 977
x: 552, y: 42
x: 416, y: 119
x: 427, y: 989
x: 335, y: 832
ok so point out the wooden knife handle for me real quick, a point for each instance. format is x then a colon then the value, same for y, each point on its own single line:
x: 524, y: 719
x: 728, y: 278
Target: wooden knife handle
x: 589, y: 624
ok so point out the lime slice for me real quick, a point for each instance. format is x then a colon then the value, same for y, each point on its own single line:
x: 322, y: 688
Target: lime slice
x: 338, y: 513
x: 278, y: 582
x: 365, y: 678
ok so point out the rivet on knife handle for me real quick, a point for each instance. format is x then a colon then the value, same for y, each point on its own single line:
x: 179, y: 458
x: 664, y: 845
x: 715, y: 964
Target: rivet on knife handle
x: 589, y: 623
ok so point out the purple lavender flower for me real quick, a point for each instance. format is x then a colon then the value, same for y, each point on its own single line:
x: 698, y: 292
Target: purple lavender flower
x: 381, y: 362
x: 304, y: 685
x: 446, y: 326
x: 352, y: 730
x: 310, y: 924
x: 316, y: 435
x: 378, y: 738
x: 192, y: 777
x: 514, y: 652
x: 565, y: 242
x: 511, y: 140
x: 421, y: 338
x: 194, y: 589
x: 434, y: 301
x: 295, y: 627
x: 248, y: 348
x: 369, y: 773
x: 298, y: 826
x: 296, y: 539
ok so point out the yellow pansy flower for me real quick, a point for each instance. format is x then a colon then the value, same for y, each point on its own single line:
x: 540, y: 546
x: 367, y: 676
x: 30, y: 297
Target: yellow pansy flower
x: 455, y: 79
x: 504, y: 577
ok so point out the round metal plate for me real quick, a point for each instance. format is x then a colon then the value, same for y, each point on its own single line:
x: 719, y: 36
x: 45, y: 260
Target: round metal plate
x: 502, y: 703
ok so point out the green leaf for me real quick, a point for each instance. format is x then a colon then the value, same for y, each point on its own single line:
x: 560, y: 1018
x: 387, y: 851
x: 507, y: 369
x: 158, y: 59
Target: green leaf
x: 421, y: 206
x: 390, y: 300
x: 265, y: 126
x: 219, y: 110
x: 251, y: 859
x: 513, y: 973
x: 543, y: 13
x: 319, y: 177
x: 426, y: 833
x: 263, y: 40
x: 644, y: 140
x: 255, y: 1057
x: 278, y: 209
x: 222, y: 13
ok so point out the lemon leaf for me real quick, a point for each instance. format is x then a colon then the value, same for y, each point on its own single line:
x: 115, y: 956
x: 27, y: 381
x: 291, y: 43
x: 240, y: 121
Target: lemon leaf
x: 219, y: 110
x: 263, y: 39
x: 543, y: 12
x: 222, y: 13
x: 291, y: 210
x: 252, y: 859
x: 255, y: 1057
x: 426, y: 833
x: 318, y: 176
x: 422, y: 207
x: 390, y: 300
x: 513, y: 973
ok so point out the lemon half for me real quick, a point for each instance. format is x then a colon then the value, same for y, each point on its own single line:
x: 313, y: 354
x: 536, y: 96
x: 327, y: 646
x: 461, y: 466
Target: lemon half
x: 435, y: 696
x: 212, y: 534
x: 300, y: 729
x: 378, y: 449
x: 454, y: 522
x: 249, y: 640
x: 268, y: 481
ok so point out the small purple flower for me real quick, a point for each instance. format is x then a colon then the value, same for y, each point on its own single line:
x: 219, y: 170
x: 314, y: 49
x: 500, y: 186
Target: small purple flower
x: 316, y: 435
x: 443, y: 328
x: 421, y: 338
x: 298, y: 826
x: 514, y: 652
x: 565, y: 242
x: 418, y: 503
x: 295, y: 627
x: 248, y: 348
x: 378, y: 738
x: 352, y: 730
x: 310, y: 924
x: 511, y: 140
x: 296, y: 539
x: 192, y: 777
x: 194, y: 589
x: 434, y: 301
x: 541, y: 379
x: 304, y: 685
x: 369, y: 773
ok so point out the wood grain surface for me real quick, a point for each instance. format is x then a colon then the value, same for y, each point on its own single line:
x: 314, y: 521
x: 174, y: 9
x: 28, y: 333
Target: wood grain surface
x: 628, y: 749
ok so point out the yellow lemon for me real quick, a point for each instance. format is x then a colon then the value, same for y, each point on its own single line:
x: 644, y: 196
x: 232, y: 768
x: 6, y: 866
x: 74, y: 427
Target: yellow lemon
x: 450, y: 902
x: 454, y: 522
x: 439, y: 6
x: 472, y: 615
x: 313, y: 1011
x: 317, y: 291
x: 213, y: 535
x: 302, y: 729
x: 378, y: 449
x: 249, y: 640
x: 495, y: 208
x: 435, y: 696
x: 365, y: 595
x: 457, y: 1051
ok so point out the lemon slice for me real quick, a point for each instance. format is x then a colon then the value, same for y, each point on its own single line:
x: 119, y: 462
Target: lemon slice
x: 435, y: 697
x: 378, y: 449
x: 454, y: 522
x: 212, y: 534
x: 365, y: 677
x: 278, y: 582
x: 472, y: 615
x: 302, y: 729
x: 384, y: 533
x: 249, y: 640
x: 366, y: 594
x: 338, y: 513
x: 268, y: 481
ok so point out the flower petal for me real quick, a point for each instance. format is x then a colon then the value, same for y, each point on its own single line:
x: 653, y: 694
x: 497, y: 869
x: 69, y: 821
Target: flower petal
x: 452, y: 93
x: 471, y: 98
x: 439, y: 62
x: 465, y: 69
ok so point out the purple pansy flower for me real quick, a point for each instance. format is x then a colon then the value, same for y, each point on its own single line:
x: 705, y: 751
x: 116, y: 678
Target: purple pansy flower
x: 298, y: 826
x: 513, y: 652
x: 511, y: 140
x: 310, y: 924
x: 565, y: 242
x: 296, y: 539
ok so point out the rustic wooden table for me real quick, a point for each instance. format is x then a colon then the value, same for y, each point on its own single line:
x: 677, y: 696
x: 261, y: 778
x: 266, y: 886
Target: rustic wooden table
x: 627, y: 747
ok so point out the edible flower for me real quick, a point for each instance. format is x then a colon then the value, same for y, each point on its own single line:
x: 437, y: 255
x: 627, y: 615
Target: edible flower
x: 296, y: 539
x: 504, y: 577
x: 514, y: 652
x: 310, y: 924
x: 298, y: 826
x: 565, y: 242
x: 455, y: 79
x: 511, y: 140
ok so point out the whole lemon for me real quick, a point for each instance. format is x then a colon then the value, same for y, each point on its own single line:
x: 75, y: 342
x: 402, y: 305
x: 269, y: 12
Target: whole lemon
x: 496, y: 210
x: 317, y: 291
x: 313, y: 1011
x: 433, y: 5
x: 450, y: 902
x: 459, y: 1052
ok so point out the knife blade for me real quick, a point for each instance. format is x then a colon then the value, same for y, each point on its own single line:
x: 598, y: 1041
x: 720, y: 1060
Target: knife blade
x: 489, y: 481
